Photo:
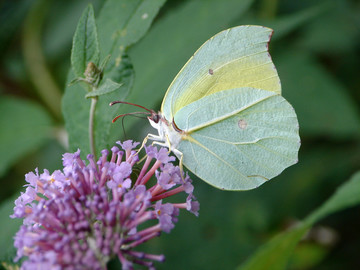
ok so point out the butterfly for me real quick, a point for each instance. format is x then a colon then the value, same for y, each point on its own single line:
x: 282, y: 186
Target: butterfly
x: 223, y: 115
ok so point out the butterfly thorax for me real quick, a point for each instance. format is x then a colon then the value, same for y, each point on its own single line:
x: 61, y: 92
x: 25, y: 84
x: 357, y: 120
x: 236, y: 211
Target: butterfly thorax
x: 168, y: 131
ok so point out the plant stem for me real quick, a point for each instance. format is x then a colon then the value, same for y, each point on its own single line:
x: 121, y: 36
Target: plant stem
x: 39, y: 73
x: 91, y: 126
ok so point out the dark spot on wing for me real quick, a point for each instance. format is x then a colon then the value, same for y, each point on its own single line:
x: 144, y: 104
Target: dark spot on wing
x: 242, y: 124
x: 211, y: 72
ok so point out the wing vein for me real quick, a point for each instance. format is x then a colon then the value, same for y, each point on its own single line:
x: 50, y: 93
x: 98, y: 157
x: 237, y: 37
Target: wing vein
x: 249, y: 142
x: 254, y: 161
x: 192, y: 140
x: 220, y: 118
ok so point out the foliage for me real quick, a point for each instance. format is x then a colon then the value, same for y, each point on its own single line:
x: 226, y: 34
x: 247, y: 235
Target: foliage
x: 316, y: 50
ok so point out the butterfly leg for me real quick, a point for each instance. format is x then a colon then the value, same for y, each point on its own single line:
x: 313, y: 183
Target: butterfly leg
x: 156, y: 140
x: 159, y: 141
x: 162, y: 144
x: 181, y: 166
x: 151, y: 137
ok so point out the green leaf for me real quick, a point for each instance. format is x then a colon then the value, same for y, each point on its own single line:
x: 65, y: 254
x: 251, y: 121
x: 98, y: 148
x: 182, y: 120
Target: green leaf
x: 124, y: 75
x: 115, y: 16
x: 9, y: 227
x: 25, y: 127
x: 276, y: 253
x: 322, y: 104
x: 122, y: 23
x: 287, y: 24
x: 308, y: 255
x: 60, y: 25
x: 107, y: 87
x: 76, y: 108
x: 85, y: 43
x: 346, y: 196
x: 340, y: 36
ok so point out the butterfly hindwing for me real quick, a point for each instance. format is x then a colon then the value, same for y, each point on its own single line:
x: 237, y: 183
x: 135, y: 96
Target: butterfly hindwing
x: 238, y: 138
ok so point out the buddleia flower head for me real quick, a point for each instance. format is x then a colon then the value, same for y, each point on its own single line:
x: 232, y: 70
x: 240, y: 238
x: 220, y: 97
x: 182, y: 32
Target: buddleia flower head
x: 91, y: 211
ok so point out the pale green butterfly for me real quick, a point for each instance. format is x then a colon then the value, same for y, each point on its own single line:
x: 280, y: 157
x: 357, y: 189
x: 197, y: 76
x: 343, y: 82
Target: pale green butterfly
x: 223, y: 115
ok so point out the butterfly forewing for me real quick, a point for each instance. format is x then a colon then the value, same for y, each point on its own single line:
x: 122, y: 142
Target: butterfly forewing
x: 237, y: 57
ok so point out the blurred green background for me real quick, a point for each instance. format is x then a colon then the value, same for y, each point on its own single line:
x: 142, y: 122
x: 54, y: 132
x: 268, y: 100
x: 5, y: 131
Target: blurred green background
x: 316, y: 49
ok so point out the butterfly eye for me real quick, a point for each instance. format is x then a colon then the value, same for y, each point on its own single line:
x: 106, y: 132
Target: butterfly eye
x: 155, y: 117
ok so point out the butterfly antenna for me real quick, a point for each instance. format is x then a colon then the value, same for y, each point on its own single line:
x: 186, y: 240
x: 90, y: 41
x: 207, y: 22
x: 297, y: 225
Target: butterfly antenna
x: 133, y: 104
x: 125, y: 114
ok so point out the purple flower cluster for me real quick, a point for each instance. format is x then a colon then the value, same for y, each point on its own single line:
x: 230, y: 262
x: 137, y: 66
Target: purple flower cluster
x: 87, y: 214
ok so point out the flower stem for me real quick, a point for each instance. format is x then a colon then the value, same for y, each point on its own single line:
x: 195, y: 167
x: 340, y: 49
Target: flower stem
x: 91, y: 126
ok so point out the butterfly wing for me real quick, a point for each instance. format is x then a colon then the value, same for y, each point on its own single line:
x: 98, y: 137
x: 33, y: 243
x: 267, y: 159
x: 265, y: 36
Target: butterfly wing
x: 239, y: 138
x: 237, y: 57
